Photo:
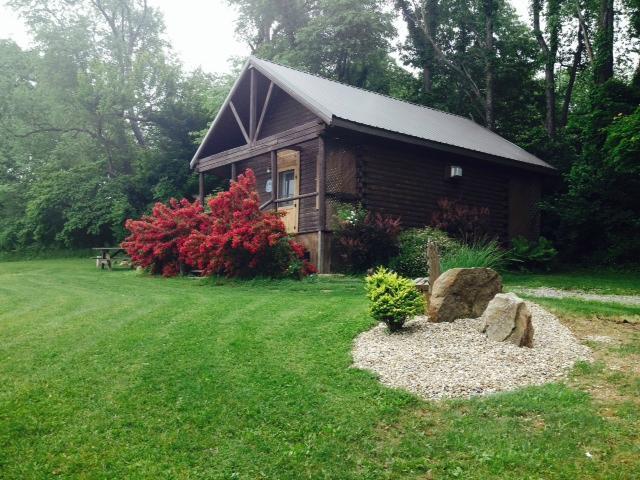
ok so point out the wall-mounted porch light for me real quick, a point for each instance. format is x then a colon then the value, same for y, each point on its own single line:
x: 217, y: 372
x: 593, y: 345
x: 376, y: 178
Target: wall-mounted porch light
x: 455, y: 172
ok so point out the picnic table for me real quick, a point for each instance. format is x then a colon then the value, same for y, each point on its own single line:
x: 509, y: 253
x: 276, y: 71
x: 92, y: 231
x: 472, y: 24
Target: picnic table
x: 107, y: 254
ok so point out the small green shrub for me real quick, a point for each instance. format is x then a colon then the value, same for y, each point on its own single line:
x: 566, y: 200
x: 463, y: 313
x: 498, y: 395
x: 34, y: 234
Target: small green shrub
x: 534, y: 255
x: 350, y: 213
x: 475, y: 255
x: 411, y: 260
x: 393, y: 298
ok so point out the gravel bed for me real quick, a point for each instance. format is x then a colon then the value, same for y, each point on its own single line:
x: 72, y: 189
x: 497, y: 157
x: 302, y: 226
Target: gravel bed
x: 547, y: 292
x: 447, y: 360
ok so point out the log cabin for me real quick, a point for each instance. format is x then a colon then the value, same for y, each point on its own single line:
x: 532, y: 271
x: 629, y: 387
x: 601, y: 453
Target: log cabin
x: 314, y: 142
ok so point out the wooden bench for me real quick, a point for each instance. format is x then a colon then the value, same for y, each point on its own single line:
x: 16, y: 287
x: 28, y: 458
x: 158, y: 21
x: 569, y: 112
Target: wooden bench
x: 102, y: 262
x: 107, y: 255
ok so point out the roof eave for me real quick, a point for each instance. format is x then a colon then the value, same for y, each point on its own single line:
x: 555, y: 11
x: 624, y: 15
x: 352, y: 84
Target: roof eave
x: 380, y: 132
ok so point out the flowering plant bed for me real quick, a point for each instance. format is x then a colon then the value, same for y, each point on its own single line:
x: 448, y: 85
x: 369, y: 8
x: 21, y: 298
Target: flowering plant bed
x: 156, y: 240
x: 233, y: 238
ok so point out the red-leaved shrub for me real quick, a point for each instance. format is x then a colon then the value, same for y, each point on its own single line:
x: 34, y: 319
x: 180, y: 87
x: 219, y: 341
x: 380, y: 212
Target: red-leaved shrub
x: 366, y: 239
x: 156, y: 239
x: 463, y: 221
x: 240, y: 240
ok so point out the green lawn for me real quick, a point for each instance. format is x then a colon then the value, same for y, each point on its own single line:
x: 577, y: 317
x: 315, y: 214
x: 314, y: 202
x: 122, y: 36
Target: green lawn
x: 116, y: 374
x: 603, y: 282
x: 608, y: 282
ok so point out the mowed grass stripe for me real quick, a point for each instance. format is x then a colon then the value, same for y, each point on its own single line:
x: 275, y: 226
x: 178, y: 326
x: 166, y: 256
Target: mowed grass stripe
x: 171, y: 334
x: 118, y: 375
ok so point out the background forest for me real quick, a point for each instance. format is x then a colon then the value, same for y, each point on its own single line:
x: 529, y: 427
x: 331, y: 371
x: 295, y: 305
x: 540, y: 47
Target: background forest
x: 99, y: 119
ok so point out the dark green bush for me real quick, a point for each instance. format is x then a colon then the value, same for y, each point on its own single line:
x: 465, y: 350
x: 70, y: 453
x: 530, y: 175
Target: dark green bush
x: 394, y: 299
x: 411, y: 260
x: 527, y: 254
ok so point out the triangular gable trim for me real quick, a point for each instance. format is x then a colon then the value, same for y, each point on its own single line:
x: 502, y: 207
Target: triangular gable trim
x: 285, y: 86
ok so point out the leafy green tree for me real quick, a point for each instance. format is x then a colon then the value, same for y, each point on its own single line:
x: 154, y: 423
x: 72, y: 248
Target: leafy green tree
x: 97, y: 122
x: 479, y: 56
x: 597, y: 217
x: 347, y: 40
x: 604, y: 43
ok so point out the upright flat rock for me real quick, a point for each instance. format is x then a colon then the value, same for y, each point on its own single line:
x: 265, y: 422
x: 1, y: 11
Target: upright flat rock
x: 463, y: 293
x: 508, y: 319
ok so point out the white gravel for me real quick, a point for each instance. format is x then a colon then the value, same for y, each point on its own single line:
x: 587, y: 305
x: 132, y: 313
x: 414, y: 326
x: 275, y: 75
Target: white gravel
x: 447, y: 360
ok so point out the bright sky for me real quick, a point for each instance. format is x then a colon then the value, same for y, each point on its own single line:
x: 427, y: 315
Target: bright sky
x: 201, y: 31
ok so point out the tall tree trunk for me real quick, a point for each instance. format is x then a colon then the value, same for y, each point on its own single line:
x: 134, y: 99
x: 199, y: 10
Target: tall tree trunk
x: 585, y: 35
x: 137, y: 131
x: 489, y: 65
x: 550, y: 98
x: 603, y: 68
x: 577, y: 57
x: 549, y: 51
x: 427, y: 79
x: 419, y: 21
x: 431, y: 13
x: 636, y: 76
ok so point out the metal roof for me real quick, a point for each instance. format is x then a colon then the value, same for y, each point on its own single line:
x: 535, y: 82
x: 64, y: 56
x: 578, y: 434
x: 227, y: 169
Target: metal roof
x: 334, y: 101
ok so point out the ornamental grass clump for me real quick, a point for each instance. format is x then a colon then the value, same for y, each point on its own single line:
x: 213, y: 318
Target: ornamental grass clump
x: 394, y: 299
x: 480, y: 254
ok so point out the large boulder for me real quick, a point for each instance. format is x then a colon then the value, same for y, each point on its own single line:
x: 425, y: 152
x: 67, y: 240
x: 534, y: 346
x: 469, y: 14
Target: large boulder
x: 508, y: 319
x: 463, y: 293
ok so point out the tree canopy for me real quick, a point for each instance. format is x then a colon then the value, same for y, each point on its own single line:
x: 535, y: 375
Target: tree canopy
x: 99, y: 118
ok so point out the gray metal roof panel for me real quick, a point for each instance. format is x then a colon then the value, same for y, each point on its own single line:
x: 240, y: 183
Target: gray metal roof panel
x: 330, y: 99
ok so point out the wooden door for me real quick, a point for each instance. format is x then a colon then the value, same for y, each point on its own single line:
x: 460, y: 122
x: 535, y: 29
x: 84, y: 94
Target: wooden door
x: 289, y: 186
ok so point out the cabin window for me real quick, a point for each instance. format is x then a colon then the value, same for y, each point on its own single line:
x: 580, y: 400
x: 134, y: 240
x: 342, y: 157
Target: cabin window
x: 287, y: 186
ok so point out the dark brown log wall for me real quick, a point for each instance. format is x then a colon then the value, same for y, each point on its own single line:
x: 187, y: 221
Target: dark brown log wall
x: 308, y: 206
x: 407, y: 181
x: 524, y: 196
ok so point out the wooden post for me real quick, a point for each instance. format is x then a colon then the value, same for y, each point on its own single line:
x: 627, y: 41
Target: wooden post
x: 433, y: 261
x: 253, y: 105
x: 321, y: 173
x: 322, y: 185
x: 201, y: 188
x: 274, y: 178
x: 234, y: 174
